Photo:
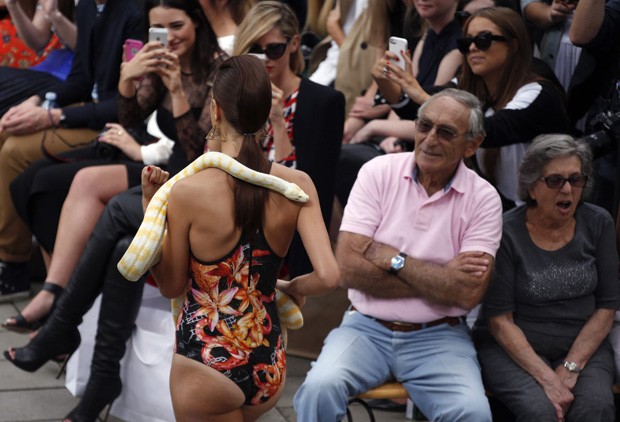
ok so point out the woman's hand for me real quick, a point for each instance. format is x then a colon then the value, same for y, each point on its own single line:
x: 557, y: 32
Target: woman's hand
x: 117, y: 136
x: 405, y: 79
x: 153, y: 178
x: 169, y: 70
x: 559, y: 395
x: 276, y: 114
x: 147, y: 60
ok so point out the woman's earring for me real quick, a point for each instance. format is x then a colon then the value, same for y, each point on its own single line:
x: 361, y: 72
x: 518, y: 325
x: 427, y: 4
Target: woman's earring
x: 215, y: 134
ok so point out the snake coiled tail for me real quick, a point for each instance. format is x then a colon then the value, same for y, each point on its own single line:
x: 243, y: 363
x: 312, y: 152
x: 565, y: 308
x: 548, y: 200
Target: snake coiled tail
x: 145, y: 249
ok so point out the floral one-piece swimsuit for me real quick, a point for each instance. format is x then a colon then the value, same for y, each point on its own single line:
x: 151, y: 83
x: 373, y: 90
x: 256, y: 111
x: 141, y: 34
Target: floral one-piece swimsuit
x: 229, y: 320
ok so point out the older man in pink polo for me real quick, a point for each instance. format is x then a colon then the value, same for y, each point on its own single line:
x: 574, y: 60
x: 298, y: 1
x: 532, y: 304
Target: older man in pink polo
x: 416, y: 249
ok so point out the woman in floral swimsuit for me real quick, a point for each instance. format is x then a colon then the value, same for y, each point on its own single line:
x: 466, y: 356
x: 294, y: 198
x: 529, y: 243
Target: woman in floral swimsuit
x: 223, y: 251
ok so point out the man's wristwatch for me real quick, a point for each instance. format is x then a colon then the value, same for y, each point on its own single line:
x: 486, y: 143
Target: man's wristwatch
x: 572, y: 367
x: 397, y: 263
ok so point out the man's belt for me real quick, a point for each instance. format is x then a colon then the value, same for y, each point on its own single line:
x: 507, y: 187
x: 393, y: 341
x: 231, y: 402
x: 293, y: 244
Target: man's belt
x: 414, y: 326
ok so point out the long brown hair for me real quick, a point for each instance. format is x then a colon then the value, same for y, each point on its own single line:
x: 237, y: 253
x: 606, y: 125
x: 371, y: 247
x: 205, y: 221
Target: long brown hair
x: 516, y: 71
x: 243, y: 91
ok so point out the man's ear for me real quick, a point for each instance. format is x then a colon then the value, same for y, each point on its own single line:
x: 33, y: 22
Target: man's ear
x: 472, y: 146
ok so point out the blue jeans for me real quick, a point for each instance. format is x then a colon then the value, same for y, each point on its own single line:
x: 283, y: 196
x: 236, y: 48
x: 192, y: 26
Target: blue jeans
x: 437, y: 366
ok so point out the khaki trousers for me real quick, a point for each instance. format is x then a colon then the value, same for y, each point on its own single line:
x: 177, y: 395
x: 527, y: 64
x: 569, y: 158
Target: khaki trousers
x: 17, y: 153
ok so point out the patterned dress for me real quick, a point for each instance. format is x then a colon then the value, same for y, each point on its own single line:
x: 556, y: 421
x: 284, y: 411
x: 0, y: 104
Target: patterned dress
x: 229, y: 319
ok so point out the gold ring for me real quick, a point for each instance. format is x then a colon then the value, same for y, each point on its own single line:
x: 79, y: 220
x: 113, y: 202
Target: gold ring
x: 120, y: 132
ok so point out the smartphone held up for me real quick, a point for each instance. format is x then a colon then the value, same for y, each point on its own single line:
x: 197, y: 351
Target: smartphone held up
x: 395, y: 46
x: 131, y: 47
x: 159, y: 34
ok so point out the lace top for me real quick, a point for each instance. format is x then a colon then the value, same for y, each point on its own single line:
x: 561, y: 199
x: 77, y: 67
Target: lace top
x: 152, y: 94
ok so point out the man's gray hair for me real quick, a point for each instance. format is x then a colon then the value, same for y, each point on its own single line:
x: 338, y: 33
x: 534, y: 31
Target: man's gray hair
x: 545, y: 148
x: 476, y: 118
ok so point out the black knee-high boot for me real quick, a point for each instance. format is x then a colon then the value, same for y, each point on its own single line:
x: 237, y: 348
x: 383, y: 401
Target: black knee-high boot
x: 59, y: 335
x: 120, y: 303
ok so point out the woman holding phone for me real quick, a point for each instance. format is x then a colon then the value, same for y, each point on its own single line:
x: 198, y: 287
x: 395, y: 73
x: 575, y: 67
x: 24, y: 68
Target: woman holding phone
x: 306, y: 119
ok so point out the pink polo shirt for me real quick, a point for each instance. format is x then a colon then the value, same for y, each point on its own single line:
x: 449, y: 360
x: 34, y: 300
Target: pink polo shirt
x: 387, y: 205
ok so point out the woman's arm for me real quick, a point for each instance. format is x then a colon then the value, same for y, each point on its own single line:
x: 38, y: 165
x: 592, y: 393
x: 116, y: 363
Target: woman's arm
x: 587, y: 342
x: 513, y: 341
x: 311, y: 228
x: 448, y: 67
x: 587, y: 21
x: 282, y: 143
x: 36, y: 33
x: 64, y: 27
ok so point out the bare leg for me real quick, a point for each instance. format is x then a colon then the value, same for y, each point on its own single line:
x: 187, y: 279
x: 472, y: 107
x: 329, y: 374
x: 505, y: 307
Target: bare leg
x: 90, y: 191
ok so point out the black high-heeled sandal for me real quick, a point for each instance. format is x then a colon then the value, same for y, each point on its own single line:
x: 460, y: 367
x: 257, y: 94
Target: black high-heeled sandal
x: 21, y: 325
x: 98, y: 395
x: 44, y: 347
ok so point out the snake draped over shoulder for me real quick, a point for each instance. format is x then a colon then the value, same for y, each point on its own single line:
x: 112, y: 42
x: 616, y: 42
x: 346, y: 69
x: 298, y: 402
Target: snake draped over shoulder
x: 145, y: 248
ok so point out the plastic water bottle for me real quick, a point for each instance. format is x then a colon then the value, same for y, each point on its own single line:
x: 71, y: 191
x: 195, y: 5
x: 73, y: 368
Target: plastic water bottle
x: 50, y: 101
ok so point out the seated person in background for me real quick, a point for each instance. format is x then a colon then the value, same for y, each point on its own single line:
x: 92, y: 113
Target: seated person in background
x: 542, y: 331
x: 306, y: 119
x: 519, y: 104
x: 50, y: 32
x: 234, y: 357
x: 180, y: 93
x: 435, y: 61
x: 92, y: 88
x: 415, y: 250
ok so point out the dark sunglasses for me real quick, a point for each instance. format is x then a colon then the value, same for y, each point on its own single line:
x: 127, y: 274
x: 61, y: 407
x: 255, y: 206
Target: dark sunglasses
x: 273, y: 51
x: 556, y: 181
x: 446, y: 134
x: 482, y: 41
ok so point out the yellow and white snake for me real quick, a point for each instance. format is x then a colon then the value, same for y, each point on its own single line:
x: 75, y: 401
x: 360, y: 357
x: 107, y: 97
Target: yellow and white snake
x: 145, y: 249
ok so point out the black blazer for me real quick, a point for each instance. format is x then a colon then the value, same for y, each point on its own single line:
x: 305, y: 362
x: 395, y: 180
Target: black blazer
x: 98, y: 57
x: 317, y: 136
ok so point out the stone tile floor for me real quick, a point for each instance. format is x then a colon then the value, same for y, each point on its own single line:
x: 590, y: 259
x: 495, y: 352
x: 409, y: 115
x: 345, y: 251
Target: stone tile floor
x: 40, y: 397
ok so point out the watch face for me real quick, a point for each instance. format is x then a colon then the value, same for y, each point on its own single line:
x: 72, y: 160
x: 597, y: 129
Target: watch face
x: 571, y: 366
x: 398, y: 262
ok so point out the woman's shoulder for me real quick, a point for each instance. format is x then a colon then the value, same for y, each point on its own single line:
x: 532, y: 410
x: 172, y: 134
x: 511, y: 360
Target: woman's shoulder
x: 593, y: 213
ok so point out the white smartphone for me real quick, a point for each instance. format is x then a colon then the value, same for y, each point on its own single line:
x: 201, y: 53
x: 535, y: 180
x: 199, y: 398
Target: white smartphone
x: 159, y: 34
x: 396, y: 45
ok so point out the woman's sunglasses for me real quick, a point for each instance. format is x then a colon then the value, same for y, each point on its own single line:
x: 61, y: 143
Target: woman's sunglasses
x: 482, y: 41
x: 273, y: 51
x: 556, y: 181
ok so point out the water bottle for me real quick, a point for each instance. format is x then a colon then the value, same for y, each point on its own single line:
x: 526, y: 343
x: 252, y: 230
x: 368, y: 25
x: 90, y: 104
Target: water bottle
x: 50, y: 101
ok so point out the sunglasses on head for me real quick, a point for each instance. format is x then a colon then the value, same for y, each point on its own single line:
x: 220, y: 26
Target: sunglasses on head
x: 556, y: 181
x: 273, y: 51
x: 444, y: 133
x: 482, y: 41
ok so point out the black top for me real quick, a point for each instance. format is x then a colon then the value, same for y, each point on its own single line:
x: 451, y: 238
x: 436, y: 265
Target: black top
x: 553, y: 292
x: 436, y: 46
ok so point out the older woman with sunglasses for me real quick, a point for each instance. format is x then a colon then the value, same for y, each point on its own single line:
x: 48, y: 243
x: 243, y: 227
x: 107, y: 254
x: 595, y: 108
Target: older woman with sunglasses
x: 496, y: 68
x: 542, y: 331
x: 306, y: 119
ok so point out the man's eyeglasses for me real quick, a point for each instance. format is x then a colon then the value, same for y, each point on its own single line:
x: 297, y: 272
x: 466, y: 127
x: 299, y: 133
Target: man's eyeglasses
x: 556, y: 181
x: 444, y: 133
x: 482, y: 41
x: 273, y: 51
